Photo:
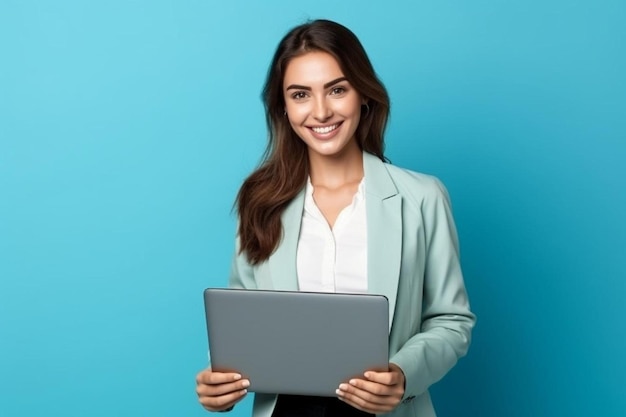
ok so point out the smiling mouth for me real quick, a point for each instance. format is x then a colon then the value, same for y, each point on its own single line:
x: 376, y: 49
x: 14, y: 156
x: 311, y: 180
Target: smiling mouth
x: 325, y: 129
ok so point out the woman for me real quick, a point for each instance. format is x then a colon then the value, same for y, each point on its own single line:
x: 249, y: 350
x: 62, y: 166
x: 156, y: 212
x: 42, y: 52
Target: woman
x: 325, y: 212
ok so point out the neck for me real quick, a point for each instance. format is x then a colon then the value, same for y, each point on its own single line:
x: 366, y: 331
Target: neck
x: 337, y: 170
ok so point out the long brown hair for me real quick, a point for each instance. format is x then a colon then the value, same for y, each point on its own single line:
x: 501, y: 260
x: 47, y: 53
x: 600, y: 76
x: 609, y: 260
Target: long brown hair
x: 284, y: 168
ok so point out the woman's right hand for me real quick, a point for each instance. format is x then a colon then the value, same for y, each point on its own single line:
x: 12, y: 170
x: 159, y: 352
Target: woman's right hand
x: 218, y: 391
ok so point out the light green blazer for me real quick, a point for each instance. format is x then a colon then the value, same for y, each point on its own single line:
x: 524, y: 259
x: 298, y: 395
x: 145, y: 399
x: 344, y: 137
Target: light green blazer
x: 413, y: 259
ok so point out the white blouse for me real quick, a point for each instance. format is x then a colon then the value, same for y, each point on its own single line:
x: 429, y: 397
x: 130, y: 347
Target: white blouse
x: 333, y: 260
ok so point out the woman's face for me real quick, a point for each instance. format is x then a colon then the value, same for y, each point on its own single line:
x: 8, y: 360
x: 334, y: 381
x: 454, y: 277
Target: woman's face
x: 323, y: 108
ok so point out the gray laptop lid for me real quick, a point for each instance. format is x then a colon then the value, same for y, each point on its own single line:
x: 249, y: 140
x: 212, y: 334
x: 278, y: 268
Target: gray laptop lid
x: 296, y: 342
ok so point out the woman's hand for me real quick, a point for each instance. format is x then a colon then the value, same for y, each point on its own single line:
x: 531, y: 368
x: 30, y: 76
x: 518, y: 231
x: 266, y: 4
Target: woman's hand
x: 379, y: 392
x: 219, y: 391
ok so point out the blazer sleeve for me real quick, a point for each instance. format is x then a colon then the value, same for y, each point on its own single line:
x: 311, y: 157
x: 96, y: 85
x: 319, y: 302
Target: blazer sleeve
x: 241, y: 272
x: 446, y: 319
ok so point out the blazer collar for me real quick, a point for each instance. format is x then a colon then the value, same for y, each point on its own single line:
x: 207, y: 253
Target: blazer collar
x: 384, y: 235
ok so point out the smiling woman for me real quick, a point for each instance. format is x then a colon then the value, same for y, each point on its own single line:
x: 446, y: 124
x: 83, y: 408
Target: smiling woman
x: 325, y: 212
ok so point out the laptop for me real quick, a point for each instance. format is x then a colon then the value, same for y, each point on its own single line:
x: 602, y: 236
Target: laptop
x: 288, y: 342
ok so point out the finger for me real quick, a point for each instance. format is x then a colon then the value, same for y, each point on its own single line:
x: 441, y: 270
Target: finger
x: 209, y: 377
x: 385, y: 378
x: 363, y: 405
x: 368, y: 392
x: 373, y: 388
x: 215, y: 390
x: 222, y: 402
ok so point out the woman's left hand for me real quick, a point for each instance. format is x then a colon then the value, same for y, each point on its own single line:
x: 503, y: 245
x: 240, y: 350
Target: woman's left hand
x: 379, y: 392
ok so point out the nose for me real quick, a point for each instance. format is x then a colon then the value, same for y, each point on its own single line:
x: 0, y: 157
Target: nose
x: 322, y: 111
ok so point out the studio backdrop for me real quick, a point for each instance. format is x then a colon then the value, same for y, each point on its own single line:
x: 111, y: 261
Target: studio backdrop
x: 126, y: 129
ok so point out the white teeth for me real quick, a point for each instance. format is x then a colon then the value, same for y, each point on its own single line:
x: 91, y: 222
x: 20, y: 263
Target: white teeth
x: 325, y: 129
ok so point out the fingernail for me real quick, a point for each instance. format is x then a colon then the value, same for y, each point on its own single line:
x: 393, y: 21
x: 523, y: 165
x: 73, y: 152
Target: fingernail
x: 237, y: 377
x: 353, y: 382
x: 338, y: 392
x: 343, y: 387
x: 244, y: 391
x: 245, y: 383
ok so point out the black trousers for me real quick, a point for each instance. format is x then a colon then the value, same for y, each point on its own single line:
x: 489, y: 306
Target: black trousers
x: 309, y: 406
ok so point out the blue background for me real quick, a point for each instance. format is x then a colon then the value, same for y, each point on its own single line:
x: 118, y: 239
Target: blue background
x: 126, y: 128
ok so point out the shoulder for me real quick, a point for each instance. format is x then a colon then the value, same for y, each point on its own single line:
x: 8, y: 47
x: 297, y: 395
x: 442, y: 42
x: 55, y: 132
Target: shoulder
x: 417, y: 188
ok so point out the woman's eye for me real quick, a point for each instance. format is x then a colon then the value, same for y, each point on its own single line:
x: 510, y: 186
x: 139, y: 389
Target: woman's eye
x: 338, y: 90
x: 298, y: 95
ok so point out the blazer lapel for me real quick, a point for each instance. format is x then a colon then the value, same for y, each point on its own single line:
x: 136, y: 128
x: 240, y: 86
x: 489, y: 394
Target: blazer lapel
x: 384, y: 231
x: 282, y: 263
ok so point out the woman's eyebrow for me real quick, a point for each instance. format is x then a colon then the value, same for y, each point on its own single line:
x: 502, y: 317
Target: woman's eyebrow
x: 298, y: 87
x: 333, y: 82
x: 328, y: 84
